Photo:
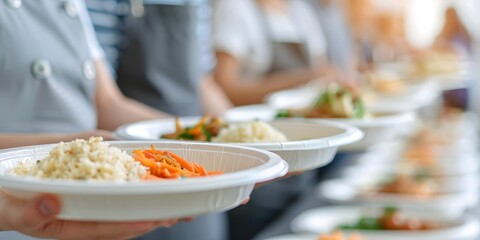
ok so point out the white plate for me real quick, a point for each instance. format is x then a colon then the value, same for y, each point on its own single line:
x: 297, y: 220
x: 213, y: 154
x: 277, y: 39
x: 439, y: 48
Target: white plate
x: 414, y: 97
x: 376, y: 129
x: 326, y: 219
x: 445, y: 205
x: 167, y: 199
x: 311, y: 145
x: 388, y: 157
x: 445, y: 81
x: 447, y: 183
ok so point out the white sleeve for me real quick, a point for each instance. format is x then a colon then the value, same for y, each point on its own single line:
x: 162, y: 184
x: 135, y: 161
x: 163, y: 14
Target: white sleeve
x: 229, y: 30
x: 95, y: 50
x: 313, y: 29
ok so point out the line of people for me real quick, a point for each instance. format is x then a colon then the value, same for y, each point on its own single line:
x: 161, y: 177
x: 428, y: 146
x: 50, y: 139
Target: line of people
x: 73, y: 69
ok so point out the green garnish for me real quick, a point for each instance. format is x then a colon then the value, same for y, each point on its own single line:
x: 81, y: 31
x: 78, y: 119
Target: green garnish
x: 207, y: 134
x: 282, y: 114
x: 186, y: 136
x: 364, y: 223
x: 390, y: 210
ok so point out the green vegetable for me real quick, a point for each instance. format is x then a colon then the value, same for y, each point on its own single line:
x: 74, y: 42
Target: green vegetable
x: 364, y: 223
x: 282, y: 114
x: 207, y: 134
x: 358, y: 109
x: 422, y: 174
x: 370, y: 223
x: 185, y: 135
x: 388, y: 211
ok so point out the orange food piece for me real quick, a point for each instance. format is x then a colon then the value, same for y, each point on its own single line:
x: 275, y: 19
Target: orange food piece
x: 168, y: 165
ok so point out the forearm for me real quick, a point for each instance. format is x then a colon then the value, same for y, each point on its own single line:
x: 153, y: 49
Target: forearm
x: 123, y: 111
x: 214, y: 100
x: 244, y: 92
x: 9, y: 140
x: 113, y: 108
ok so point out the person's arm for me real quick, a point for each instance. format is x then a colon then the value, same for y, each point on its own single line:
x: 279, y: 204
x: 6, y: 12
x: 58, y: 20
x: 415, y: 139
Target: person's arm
x: 214, y: 100
x: 113, y: 108
x: 10, y: 140
x: 37, y: 218
x: 248, y: 91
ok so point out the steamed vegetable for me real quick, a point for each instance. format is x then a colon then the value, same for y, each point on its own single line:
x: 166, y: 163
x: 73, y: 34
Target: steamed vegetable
x: 335, y: 102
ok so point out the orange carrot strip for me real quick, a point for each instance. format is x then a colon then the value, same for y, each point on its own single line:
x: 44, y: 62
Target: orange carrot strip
x: 203, y: 172
x: 213, y: 173
x: 186, y: 164
x: 166, y: 173
x: 196, y: 167
x: 144, y: 161
x: 197, y: 129
x: 151, y: 177
x: 173, y: 169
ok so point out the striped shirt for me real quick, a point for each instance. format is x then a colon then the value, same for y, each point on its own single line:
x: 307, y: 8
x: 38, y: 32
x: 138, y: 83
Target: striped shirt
x: 109, y: 20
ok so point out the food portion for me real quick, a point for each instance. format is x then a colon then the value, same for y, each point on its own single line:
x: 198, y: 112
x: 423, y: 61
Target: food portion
x: 204, y: 130
x: 81, y: 159
x: 168, y: 165
x: 95, y: 160
x: 390, y: 219
x: 334, y: 102
x: 215, y: 130
x: 433, y: 63
x: 383, y: 82
x: 251, y: 132
x: 338, y: 235
x: 413, y: 185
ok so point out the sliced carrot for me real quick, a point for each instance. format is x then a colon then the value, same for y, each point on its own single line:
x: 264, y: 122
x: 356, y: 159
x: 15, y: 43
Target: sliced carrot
x: 151, y: 177
x: 197, y: 129
x: 166, y: 173
x: 167, y: 165
x: 180, y: 160
x: 196, y: 167
x: 213, y: 173
x: 203, y: 172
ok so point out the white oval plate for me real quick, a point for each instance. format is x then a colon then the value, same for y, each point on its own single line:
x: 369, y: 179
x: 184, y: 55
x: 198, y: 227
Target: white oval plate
x: 310, y: 145
x: 446, y: 205
x: 101, y: 201
x: 376, y: 129
x: 447, y: 183
x: 326, y: 219
x: 413, y: 98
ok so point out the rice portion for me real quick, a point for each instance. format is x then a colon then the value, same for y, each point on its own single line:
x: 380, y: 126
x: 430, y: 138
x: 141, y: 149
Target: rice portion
x: 251, y: 132
x: 85, y: 160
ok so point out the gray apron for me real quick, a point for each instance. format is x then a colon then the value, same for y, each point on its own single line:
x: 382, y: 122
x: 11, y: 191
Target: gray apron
x: 271, y: 200
x: 47, y: 76
x: 160, y: 66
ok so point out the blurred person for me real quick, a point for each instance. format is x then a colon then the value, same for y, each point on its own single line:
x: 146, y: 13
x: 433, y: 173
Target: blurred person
x: 264, y: 46
x: 333, y: 19
x: 36, y: 218
x: 162, y: 55
x: 361, y: 16
x: 168, y: 59
x: 56, y: 87
x: 455, y: 38
x: 390, y: 40
x: 261, y: 47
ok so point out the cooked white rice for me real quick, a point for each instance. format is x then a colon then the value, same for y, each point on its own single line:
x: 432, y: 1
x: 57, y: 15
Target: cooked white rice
x: 85, y: 160
x: 251, y: 132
